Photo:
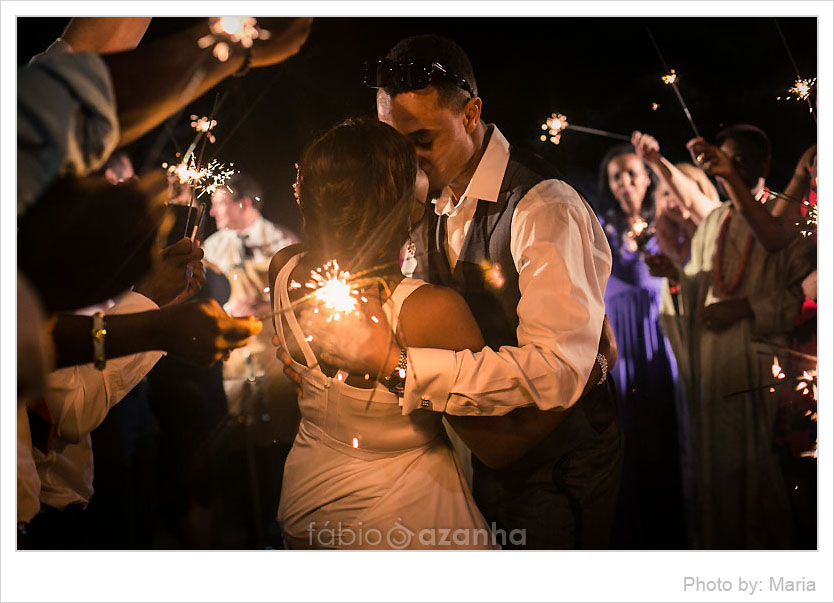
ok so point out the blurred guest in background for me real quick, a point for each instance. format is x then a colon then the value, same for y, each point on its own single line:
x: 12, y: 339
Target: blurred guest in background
x: 649, y: 509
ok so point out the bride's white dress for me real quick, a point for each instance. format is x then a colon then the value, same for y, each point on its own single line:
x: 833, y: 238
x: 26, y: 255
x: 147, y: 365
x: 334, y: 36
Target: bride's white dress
x: 360, y: 473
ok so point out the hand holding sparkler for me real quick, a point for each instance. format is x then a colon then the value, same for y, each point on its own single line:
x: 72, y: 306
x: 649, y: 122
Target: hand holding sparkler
x: 710, y: 158
x: 647, y: 147
x: 201, y: 333
x: 661, y: 265
x: 176, y: 275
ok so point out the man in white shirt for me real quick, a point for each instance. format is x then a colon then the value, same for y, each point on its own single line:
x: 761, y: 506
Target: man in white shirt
x: 241, y: 250
x: 529, y: 256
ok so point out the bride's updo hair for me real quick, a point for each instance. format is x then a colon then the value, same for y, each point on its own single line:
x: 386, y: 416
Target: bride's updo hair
x: 355, y: 189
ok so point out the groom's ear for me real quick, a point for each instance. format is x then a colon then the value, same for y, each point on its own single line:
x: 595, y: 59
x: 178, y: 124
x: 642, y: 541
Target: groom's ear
x: 472, y: 114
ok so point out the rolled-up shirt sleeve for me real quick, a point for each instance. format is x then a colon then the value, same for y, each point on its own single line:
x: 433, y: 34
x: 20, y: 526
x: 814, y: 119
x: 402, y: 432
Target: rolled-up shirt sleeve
x: 79, y: 397
x: 563, y: 261
x: 66, y: 120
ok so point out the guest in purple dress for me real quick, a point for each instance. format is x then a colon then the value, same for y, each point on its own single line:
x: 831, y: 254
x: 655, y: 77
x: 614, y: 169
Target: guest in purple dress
x: 649, y: 509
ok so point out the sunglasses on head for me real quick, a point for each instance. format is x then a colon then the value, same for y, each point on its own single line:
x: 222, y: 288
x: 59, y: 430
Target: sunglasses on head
x: 411, y: 76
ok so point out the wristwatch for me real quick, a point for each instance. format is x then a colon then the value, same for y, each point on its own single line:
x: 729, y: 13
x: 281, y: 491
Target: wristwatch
x: 395, y: 382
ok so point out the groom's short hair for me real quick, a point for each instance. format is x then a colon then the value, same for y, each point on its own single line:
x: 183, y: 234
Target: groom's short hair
x: 431, y: 48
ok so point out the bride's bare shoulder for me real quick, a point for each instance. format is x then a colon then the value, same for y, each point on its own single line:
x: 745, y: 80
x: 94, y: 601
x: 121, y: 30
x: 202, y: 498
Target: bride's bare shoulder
x: 438, y: 317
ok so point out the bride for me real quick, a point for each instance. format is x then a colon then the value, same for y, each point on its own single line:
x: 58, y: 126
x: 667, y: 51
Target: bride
x: 360, y: 473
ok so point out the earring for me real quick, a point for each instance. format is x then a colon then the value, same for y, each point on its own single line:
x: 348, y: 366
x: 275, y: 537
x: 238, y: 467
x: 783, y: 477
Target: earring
x: 409, y: 263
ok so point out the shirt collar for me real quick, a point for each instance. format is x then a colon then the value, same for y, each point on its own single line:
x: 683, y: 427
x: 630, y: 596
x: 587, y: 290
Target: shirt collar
x: 253, y: 231
x: 486, y: 181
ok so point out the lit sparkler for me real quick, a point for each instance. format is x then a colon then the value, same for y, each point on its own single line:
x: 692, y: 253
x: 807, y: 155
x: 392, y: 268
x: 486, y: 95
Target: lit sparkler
x: 802, y: 87
x: 809, y: 229
x: 216, y: 174
x: 670, y: 78
x: 186, y: 171
x: 638, y: 235
x: 492, y: 274
x: 204, y: 125
x: 558, y: 123
x: 330, y: 287
x: 226, y: 31
x: 776, y: 369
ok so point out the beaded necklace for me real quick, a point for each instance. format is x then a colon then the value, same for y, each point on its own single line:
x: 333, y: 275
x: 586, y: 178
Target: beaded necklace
x: 719, y: 258
x: 719, y: 254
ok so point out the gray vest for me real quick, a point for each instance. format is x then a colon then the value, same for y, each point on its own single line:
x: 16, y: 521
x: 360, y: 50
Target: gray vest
x: 490, y: 291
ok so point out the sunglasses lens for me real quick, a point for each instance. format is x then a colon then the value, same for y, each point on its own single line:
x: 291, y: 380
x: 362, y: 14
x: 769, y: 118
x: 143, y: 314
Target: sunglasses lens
x: 379, y: 73
x: 416, y: 77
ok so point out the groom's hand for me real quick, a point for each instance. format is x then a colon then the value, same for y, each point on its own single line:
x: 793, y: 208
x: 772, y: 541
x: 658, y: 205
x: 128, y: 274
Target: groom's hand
x: 284, y: 357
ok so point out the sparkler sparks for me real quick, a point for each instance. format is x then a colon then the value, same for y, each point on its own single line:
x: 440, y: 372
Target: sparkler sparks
x: 204, y: 180
x: 186, y: 171
x: 204, y: 125
x: 809, y: 228
x: 216, y: 174
x: 638, y: 234
x: 555, y: 125
x: 226, y: 31
x: 558, y: 123
x: 670, y: 78
x: 492, y: 274
x: 330, y: 286
x: 802, y: 88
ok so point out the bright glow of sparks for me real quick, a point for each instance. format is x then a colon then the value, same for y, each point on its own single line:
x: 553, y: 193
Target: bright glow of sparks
x: 670, y: 78
x: 776, y: 369
x: 216, y: 174
x: 226, y: 31
x: 655, y: 106
x: 204, y: 124
x: 492, y: 274
x: 331, y: 288
x: 555, y: 125
x: 205, y: 180
x: 802, y: 89
x: 356, y: 442
x: 809, y: 228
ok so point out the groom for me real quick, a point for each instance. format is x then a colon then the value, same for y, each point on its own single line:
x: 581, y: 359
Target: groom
x: 530, y: 258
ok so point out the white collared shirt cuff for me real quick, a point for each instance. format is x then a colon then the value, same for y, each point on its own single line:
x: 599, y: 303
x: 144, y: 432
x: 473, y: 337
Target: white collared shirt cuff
x: 429, y: 379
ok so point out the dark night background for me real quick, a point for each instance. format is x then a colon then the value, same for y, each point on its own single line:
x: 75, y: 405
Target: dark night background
x: 600, y: 72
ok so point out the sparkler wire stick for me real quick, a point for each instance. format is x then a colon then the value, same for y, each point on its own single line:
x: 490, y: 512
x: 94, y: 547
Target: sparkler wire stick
x: 599, y: 132
x: 786, y: 351
x: 795, y: 68
x: 214, y: 108
x: 757, y: 388
x: 674, y: 85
